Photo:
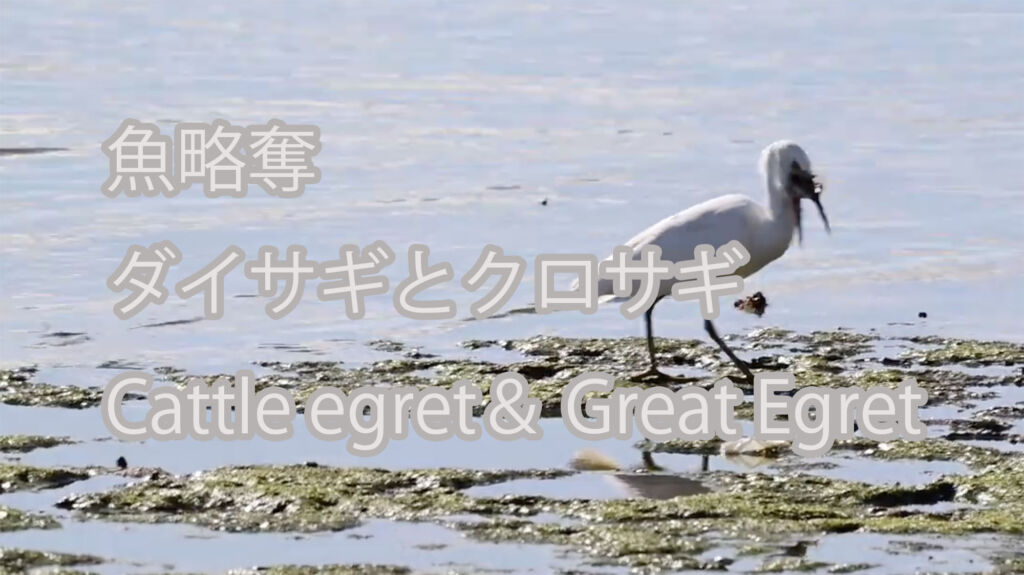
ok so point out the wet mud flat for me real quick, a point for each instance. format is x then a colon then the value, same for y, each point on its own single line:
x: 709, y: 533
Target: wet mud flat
x: 951, y: 503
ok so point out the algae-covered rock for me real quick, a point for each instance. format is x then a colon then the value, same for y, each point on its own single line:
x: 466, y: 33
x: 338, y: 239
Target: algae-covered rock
x: 931, y: 449
x: 1001, y: 482
x: 972, y: 353
x: 27, y: 443
x: 16, y: 388
x: 641, y: 533
x: 551, y: 363
x: 822, y: 358
x: 353, y: 569
x: 14, y: 477
x: 301, y: 498
x: 15, y: 520
x: 639, y: 545
x: 21, y: 560
x: 751, y: 513
x: 1014, y: 564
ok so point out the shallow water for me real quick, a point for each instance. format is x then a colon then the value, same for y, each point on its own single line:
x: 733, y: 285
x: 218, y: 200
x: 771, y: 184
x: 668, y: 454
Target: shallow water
x: 187, y: 549
x: 879, y: 554
x: 417, y: 101
x: 447, y: 124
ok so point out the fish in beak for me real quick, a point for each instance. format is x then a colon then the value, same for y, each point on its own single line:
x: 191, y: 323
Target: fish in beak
x: 804, y: 186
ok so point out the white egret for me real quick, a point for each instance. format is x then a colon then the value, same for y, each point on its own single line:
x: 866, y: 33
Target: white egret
x: 765, y: 231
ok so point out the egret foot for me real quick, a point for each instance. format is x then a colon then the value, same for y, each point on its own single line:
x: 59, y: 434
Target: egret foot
x: 652, y: 374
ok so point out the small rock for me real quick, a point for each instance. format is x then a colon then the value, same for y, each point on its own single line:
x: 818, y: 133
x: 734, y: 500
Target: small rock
x: 122, y: 463
x: 922, y: 314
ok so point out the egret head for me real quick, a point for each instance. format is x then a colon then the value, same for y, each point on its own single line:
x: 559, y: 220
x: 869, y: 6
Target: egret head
x: 788, y: 170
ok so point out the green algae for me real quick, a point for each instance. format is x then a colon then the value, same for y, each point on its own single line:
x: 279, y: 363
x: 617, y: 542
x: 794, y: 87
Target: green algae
x: 1013, y: 564
x: 14, y: 477
x: 636, y: 545
x: 16, y: 520
x: 743, y: 509
x: 1006, y: 520
x: 752, y: 549
x: 503, y: 529
x: 22, y: 560
x: 830, y: 345
x: 942, y: 385
x: 640, y: 533
x: 1001, y: 482
x: 643, y: 534
x: 823, y: 359
x: 352, y: 569
x: 68, y: 571
x: 838, y: 344
x: 971, y: 353
x: 27, y: 443
x: 670, y: 533
x: 552, y: 356
x: 16, y: 388
x: 302, y: 498
x: 770, y: 337
x: 931, y: 449
x: 552, y: 363
x: 979, y: 428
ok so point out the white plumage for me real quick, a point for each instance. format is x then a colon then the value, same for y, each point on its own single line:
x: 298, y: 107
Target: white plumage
x: 766, y: 231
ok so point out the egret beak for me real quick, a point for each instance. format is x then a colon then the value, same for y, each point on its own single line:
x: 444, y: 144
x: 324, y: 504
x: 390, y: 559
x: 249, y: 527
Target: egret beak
x: 816, y: 198
x: 806, y: 187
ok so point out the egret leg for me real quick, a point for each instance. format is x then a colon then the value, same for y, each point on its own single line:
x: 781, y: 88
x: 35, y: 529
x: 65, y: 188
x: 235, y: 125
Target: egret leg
x: 710, y: 328
x: 653, y: 371
x: 648, y: 320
